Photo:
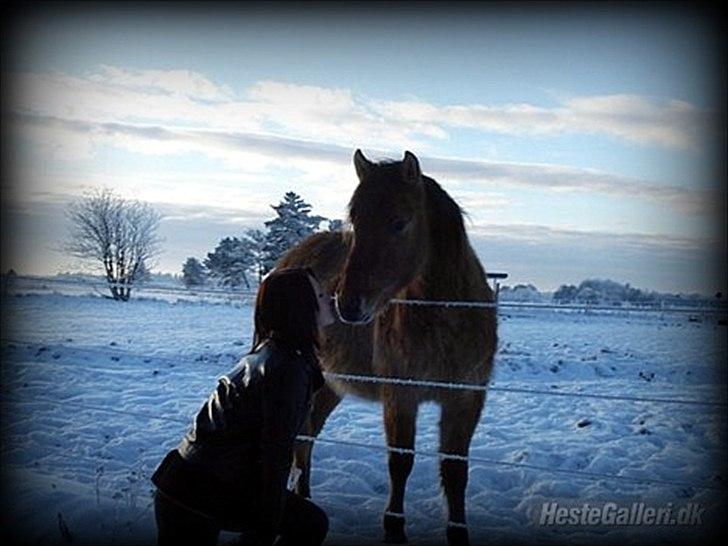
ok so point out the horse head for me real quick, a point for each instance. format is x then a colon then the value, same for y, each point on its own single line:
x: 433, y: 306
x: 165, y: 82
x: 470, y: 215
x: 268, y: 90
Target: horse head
x: 388, y: 236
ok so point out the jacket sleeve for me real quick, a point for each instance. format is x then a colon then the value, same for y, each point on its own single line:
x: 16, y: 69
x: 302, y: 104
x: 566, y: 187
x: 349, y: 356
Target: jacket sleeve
x: 285, y: 397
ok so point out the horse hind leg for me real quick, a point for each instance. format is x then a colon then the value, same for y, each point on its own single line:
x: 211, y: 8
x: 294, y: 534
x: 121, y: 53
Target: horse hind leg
x: 324, y: 402
x: 458, y: 419
x: 400, y: 416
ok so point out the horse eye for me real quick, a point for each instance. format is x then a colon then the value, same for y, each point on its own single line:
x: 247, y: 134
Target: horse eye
x: 399, y: 225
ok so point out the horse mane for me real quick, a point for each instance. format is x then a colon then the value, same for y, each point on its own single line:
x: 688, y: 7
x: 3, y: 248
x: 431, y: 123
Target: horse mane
x: 448, y: 234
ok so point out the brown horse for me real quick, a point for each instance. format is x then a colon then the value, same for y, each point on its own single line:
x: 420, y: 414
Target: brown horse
x: 407, y: 240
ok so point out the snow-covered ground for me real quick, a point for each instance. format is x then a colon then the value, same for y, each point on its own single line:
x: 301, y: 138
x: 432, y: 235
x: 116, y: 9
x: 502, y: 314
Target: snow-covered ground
x: 94, y: 393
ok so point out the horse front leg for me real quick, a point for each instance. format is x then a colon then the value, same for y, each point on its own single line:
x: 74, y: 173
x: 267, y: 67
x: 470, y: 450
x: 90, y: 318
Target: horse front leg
x: 458, y: 419
x: 400, y: 416
x: 324, y: 402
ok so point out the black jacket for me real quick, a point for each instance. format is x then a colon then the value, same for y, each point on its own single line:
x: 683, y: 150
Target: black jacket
x: 233, y: 464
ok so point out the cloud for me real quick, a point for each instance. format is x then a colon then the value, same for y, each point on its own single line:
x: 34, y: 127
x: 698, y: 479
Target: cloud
x: 186, y: 99
x: 669, y: 123
x: 182, y: 138
x: 172, y: 83
x: 551, y: 256
x: 173, y: 98
x: 333, y: 114
x: 480, y: 200
x: 224, y: 215
x: 338, y: 115
x: 538, y: 234
x: 254, y: 150
x: 167, y: 112
x: 665, y: 123
x: 561, y: 178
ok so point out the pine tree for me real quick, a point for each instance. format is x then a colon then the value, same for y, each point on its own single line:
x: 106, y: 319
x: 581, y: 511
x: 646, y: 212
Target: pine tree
x: 256, y: 243
x: 231, y: 260
x: 193, y: 273
x: 292, y: 224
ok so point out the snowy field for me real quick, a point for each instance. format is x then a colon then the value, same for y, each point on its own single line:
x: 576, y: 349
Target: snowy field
x: 95, y: 392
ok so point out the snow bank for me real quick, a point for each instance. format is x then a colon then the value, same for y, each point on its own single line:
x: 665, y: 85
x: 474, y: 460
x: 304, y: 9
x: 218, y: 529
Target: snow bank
x: 95, y: 392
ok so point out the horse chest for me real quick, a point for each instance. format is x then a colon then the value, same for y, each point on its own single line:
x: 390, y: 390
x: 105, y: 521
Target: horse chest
x: 405, y: 340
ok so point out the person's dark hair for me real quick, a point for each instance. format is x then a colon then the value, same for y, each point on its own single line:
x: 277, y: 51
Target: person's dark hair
x: 285, y: 310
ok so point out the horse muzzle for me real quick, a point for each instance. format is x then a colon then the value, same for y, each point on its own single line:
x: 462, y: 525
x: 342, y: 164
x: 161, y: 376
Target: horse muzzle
x: 353, y: 310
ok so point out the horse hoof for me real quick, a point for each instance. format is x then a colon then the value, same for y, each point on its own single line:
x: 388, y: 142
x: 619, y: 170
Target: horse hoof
x: 457, y: 536
x: 397, y: 537
x: 394, y: 530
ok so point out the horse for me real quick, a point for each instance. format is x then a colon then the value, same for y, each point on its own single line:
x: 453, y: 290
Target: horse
x: 404, y: 239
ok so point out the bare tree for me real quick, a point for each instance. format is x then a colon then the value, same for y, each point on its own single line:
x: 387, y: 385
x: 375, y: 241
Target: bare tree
x: 118, y: 233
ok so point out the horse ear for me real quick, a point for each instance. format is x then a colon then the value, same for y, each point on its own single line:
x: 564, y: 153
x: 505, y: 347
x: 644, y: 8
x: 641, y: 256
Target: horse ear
x: 361, y: 164
x: 411, y: 168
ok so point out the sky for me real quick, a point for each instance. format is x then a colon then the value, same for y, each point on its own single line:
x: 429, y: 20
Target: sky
x: 583, y: 142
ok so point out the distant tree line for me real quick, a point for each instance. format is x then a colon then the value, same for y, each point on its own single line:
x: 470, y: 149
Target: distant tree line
x: 241, y: 261
x: 521, y: 292
x: 602, y: 292
x: 598, y: 291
